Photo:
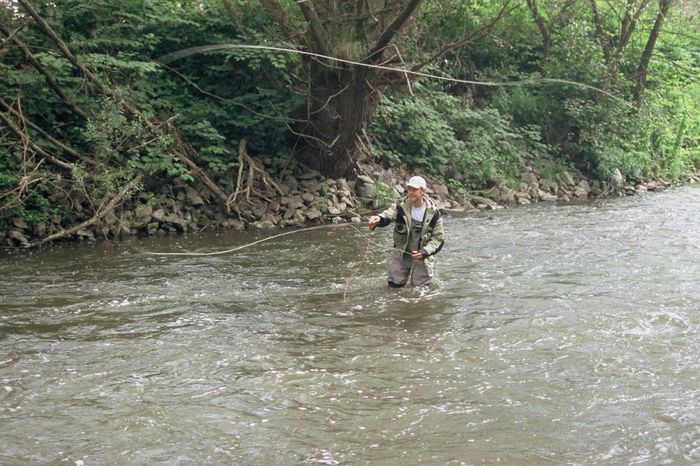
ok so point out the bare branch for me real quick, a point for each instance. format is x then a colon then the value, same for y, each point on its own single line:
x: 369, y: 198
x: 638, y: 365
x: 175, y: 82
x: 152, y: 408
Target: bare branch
x: 63, y: 47
x: 103, y: 210
x: 316, y: 29
x: 472, y: 37
x: 273, y: 8
x: 391, y: 31
x: 39, y: 67
x: 24, y: 137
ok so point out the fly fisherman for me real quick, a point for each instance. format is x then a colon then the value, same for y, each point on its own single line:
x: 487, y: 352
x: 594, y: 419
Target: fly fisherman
x: 418, y: 233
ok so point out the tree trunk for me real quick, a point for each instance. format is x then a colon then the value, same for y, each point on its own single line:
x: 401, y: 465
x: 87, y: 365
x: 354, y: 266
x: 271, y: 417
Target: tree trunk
x: 340, y: 109
x: 641, y: 76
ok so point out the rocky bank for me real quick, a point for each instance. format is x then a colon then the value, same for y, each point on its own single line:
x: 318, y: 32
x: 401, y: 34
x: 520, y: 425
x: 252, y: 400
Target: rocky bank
x: 300, y: 197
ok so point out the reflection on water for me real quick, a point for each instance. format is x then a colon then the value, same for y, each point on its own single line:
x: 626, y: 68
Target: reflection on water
x: 555, y: 334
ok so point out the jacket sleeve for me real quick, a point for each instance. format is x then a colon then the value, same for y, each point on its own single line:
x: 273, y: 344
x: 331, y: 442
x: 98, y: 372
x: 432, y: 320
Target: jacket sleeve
x: 387, y: 216
x: 436, y: 238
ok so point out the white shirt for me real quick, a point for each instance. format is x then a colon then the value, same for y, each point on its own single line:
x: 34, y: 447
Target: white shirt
x: 418, y: 213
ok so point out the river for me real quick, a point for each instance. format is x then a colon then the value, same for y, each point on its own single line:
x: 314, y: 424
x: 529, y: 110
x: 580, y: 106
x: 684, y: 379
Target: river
x: 555, y: 334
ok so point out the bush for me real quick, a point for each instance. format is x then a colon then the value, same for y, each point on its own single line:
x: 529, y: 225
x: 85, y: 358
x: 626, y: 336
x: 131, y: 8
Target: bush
x: 437, y: 133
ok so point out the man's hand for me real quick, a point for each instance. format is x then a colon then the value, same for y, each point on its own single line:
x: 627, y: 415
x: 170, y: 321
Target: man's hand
x: 373, y: 221
x: 417, y: 256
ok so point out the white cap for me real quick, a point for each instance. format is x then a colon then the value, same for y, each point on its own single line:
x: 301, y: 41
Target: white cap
x: 417, y: 182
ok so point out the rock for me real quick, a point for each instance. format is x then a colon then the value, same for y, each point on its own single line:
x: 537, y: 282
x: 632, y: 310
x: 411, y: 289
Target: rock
x: 528, y: 178
x: 507, y: 195
x: 236, y: 224
x: 152, y: 228
x: 263, y: 225
x: 522, y: 198
x: 40, y: 230
x: 299, y: 218
x: 313, y: 214
x: 483, y: 202
x: 549, y: 186
x: 158, y: 214
x: 546, y: 196
x: 308, y: 198
x: 18, y: 236
x: 179, y: 223
x: 441, y: 190
x: 334, y: 211
x: 143, y: 212
x: 582, y: 189
x: 297, y: 203
x: 193, y: 197
x: 356, y: 220
x: 86, y: 235
x: 310, y: 175
x: 20, y: 223
x: 568, y: 179
x: 364, y: 179
x: 617, y: 179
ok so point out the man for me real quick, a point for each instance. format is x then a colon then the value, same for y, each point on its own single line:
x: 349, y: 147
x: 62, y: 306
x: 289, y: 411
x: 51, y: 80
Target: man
x: 418, y: 235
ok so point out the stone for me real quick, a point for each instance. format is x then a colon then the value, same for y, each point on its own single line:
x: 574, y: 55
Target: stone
x: 151, y: 228
x: 143, y: 212
x: 20, y: 223
x: 296, y: 203
x: 40, y: 229
x: 547, y: 196
x: 617, y: 179
x: 364, y: 179
x: 568, y: 178
x: 263, y: 225
x: 441, y: 190
x: 86, y: 235
x: 299, y: 218
x: 367, y: 190
x: 158, y: 214
x: 580, y: 193
x: 549, y: 186
x: 18, y: 236
x: 528, y: 178
x: 313, y: 214
x: 194, y: 197
x: 483, y: 202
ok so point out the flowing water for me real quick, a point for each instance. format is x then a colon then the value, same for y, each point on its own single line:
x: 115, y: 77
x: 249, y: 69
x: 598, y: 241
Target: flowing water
x: 555, y: 334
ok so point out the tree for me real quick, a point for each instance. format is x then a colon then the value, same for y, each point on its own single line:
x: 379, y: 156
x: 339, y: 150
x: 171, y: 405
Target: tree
x: 554, y: 18
x: 342, y: 95
x: 642, y: 68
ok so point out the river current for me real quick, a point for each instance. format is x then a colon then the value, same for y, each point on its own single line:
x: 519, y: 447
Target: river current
x: 554, y: 334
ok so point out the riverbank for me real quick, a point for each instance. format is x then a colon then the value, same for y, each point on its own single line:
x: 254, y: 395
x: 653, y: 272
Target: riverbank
x: 294, y: 196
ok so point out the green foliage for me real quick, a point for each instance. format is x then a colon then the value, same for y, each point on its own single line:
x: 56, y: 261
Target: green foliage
x: 438, y: 134
x: 384, y: 195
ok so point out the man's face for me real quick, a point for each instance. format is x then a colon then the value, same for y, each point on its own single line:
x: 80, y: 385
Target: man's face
x: 414, y: 194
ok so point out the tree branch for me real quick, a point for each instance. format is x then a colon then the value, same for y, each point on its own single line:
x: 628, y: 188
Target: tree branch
x: 101, y: 212
x: 40, y: 68
x: 273, y: 8
x: 391, y: 31
x: 316, y: 29
x: 63, y: 47
x: 24, y: 137
x: 474, y: 36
